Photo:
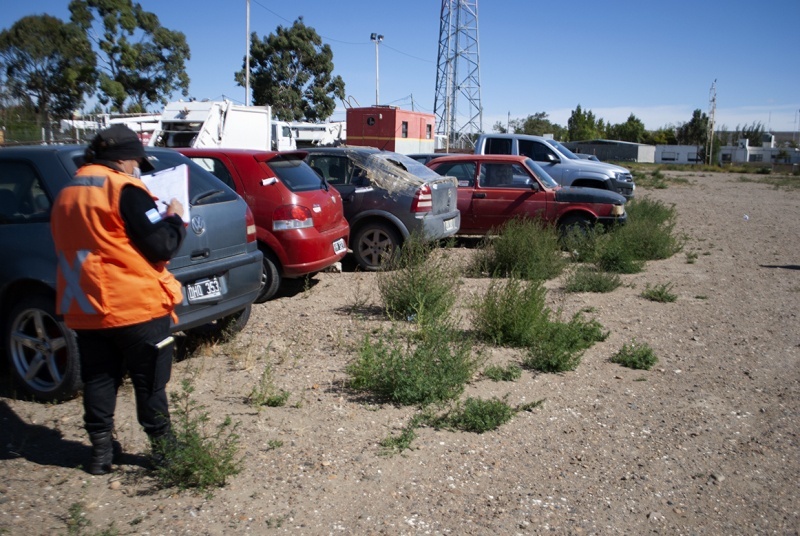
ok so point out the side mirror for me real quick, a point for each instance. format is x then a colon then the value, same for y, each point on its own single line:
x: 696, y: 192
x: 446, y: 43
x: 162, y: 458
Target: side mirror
x: 535, y: 186
x: 553, y: 158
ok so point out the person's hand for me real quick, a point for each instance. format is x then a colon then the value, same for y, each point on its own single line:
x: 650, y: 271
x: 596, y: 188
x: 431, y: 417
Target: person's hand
x: 175, y: 207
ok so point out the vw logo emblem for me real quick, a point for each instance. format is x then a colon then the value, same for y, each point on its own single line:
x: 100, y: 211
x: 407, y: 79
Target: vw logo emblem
x: 198, y: 225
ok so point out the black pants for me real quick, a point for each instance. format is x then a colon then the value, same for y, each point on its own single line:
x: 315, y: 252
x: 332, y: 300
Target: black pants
x: 107, y: 354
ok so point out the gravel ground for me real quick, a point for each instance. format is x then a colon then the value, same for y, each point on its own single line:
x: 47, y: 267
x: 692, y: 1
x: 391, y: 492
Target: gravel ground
x: 704, y: 443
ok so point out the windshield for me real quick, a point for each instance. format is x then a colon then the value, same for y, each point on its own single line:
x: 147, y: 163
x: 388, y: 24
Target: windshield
x: 563, y: 150
x: 546, y: 179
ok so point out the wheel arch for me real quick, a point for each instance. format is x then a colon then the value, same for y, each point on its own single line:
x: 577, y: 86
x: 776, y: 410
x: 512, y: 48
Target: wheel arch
x: 391, y: 219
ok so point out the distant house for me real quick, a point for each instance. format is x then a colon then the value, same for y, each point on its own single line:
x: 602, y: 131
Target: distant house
x: 768, y: 153
x: 619, y: 151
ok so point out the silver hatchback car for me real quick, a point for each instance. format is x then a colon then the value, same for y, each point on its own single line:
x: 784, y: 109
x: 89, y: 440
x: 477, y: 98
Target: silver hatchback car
x: 218, y: 264
x: 386, y: 197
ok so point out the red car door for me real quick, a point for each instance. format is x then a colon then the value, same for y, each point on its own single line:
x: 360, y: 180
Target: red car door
x: 504, y: 191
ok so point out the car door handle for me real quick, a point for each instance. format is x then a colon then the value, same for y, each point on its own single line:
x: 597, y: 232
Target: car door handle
x: 478, y: 196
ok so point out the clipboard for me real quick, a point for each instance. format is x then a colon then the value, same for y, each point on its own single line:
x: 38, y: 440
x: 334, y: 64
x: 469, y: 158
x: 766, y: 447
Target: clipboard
x: 168, y: 184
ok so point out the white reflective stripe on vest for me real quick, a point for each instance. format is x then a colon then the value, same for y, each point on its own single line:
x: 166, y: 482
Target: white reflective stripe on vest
x: 72, y: 278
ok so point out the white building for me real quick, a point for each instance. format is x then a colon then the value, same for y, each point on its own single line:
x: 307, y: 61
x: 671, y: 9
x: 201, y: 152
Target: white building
x: 768, y: 153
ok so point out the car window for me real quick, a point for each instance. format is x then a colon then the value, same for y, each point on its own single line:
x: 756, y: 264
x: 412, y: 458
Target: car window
x: 216, y: 167
x: 535, y: 150
x: 561, y: 147
x: 464, y: 172
x: 295, y: 174
x: 500, y: 175
x: 22, y: 198
x: 333, y: 168
x: 498, y: 146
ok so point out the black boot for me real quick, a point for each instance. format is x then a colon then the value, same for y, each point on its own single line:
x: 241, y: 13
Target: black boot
x: 102, y: 453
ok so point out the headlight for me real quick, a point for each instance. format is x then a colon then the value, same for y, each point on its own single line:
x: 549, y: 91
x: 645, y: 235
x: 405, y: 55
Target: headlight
x: 618, y: 210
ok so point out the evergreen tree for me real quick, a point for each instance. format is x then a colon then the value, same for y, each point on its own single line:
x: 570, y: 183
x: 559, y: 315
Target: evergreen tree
x: 48, y: 62
x: 143, y: 61
x: 291, y: 70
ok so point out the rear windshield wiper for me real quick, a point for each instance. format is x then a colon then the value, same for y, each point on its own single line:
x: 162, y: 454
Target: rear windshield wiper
x: 199, y: 198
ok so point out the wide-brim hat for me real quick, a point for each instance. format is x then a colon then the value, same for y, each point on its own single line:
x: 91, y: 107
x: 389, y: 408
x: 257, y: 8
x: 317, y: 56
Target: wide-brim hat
x: 119, y: 142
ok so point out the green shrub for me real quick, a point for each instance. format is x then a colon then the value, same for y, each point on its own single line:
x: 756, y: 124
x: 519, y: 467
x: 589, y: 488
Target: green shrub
x: 648, y: 234
x: 477, y: 415
x: 408, y: 369
x: 266, y: 394
x: 199, y: 458
x: 526, y: 248
x: 659, y: 293
x: 616, y: 256
x: 508, y: 373
x: 511, y: 312
x: 421, y: 287
x: 582, y: 244
x: 589, y: 279
x: 560, y: 347
x: 635, y: 356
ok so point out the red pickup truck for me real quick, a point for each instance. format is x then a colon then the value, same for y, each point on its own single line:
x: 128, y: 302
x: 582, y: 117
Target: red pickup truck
x: 492, y: 189
x: 300, y: 225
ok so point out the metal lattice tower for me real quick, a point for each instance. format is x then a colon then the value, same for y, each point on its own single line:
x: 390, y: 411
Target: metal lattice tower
x: 459, y: 114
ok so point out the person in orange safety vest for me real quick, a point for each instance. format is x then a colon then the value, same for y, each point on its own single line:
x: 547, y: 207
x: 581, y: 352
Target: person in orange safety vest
x: 114, y: 289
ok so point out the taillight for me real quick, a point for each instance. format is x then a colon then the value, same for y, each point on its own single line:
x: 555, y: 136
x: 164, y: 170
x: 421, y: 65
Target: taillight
x: 288, y: 217
x: 423, y: 201
x: 250, y: 223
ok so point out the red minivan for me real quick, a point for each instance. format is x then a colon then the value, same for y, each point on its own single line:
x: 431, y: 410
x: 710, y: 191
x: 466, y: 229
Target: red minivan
x: 299, y: 221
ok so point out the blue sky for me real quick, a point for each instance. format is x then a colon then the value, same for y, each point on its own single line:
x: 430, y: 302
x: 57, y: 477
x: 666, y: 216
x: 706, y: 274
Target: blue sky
x: 657, y: 60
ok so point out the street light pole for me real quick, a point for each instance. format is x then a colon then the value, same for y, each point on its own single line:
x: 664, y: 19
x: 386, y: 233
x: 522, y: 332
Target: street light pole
x: 376, y: 38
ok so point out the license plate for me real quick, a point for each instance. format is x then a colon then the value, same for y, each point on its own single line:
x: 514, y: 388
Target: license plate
x: 450, y: 225
x: 203, y: 290
x: 339, y: 246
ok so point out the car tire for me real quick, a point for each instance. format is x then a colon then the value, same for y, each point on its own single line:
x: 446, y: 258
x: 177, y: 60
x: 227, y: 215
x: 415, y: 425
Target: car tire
x: 270, y: 277
x: 374, y: 244
x: 224, y: 328
x: 42, y: 351
x: 575, y: 221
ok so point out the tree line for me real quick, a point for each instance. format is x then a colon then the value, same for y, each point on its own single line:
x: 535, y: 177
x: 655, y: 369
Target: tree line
x: 116, y: 50
x: 583, y: 125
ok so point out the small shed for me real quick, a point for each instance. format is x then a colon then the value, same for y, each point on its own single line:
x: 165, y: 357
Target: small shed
x: 391, y: 129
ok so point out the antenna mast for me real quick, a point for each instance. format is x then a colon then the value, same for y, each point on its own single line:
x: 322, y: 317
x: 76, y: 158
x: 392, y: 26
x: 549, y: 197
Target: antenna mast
x: 457, y: 105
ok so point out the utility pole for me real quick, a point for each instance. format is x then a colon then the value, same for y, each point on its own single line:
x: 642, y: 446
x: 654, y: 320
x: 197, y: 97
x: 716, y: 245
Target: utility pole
x: 376, y: 38
x: 712, y: 108
x: 247, y: 58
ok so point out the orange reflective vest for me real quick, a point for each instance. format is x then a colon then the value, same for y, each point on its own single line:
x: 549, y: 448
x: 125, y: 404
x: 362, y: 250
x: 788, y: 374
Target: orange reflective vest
x: 103, y: 281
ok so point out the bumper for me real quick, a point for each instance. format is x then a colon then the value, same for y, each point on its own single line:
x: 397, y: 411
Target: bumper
x: 441, y: 225
x: 307, y: 251
x: 240, y: 280
x: 611, y: 221
x: 624, y: 188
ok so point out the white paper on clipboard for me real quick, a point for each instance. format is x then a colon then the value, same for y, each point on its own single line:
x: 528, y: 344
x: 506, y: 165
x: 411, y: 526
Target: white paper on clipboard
x: 168, y: 184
